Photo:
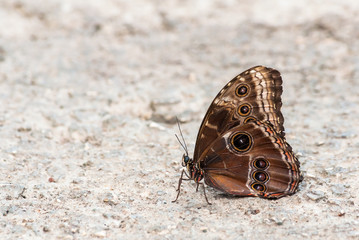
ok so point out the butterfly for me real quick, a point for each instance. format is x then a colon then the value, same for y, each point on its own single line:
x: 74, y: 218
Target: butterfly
x: 241, y: 147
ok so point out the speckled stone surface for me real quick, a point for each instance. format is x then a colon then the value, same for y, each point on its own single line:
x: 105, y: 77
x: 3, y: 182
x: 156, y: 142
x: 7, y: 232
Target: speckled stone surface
x: 89, y: 92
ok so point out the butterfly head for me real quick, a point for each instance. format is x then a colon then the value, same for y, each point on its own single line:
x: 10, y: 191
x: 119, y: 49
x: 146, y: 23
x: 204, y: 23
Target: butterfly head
x: 193, y: 170
x: 186, y: 160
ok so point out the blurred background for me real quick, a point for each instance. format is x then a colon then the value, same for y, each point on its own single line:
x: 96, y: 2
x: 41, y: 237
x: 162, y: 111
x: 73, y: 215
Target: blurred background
x: 89, y: 92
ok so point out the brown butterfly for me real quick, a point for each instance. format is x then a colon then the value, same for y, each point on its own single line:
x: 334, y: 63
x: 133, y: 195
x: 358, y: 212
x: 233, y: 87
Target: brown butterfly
x: 241, y: 148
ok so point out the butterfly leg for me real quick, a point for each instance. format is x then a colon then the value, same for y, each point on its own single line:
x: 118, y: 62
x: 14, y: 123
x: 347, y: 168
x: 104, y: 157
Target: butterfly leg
x: 204, y: 191
x: 180, y: 183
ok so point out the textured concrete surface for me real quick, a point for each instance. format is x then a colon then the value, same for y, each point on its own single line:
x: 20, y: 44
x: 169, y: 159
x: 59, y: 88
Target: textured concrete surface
x: 89, y: 91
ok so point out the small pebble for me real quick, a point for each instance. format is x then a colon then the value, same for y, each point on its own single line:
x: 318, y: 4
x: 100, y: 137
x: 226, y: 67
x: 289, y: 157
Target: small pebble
x: 100, y: 234
x: 315, y: 195
x: 338, y: 189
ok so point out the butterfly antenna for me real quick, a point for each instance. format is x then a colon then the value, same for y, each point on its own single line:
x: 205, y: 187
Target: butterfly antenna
x: 181, y: 144
x: 184, y: 145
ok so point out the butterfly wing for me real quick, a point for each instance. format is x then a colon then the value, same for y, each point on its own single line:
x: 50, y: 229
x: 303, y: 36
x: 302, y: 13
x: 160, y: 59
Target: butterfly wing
x: 253, y: 94
x: 251, y: 160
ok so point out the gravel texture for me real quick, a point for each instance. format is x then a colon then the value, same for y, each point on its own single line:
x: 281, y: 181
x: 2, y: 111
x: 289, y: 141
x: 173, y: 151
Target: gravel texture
x: 90, y: 90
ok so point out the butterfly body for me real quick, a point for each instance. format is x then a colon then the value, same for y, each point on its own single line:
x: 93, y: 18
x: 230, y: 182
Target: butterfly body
x: 241, y: 147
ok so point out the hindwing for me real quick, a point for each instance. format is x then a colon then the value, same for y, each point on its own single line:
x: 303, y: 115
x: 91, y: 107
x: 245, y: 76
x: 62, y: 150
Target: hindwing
x: 251, y: 160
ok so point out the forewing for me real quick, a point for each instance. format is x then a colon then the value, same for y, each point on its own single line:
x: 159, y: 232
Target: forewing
x: 253, y: 94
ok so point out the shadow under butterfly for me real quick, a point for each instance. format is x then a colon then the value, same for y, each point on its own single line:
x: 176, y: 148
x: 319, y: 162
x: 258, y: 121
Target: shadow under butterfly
x: 241, y: 148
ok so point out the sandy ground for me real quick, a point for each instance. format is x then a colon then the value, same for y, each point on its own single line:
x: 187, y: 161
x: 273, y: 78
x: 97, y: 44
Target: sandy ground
x: 89, y: 92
